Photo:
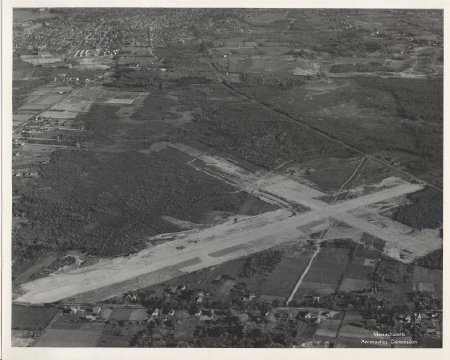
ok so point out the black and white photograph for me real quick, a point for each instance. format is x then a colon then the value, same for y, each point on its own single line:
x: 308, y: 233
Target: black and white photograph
x: 226, y: 177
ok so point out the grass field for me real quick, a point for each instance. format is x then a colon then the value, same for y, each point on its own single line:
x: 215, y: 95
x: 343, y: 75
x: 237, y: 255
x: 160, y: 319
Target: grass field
x: 121, y: 314
x: 427, y: 280
x: 349, y: 284
x: 282, y: 279
x: 87, y: 335
x: 360, y: 271
x: 353, y: 327
x: 329, y: 328
x: 326, y: 272
x: 125, y: 314
x: 119, y: 334
x: 397, y: 277
x: 31, y: 318
x: 329, y: 265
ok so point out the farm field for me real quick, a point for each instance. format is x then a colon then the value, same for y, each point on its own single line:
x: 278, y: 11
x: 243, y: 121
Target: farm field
x: 248, y: 275
x: 282, y: 280
x: 353, y: 327
x: 86, y: 335
x: 325, y: 273
x: 31, y: 318
x: 359, y: 273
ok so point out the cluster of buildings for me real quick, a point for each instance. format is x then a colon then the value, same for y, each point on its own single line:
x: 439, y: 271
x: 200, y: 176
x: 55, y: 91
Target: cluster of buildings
x: 67, y: 36
x: 90, y: 313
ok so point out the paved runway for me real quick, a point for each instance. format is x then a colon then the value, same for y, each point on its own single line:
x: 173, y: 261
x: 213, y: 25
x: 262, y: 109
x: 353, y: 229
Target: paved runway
x: 248, y: 235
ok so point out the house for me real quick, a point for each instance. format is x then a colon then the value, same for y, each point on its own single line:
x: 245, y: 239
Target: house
x: 74, y: 310
x: 66, y: 310
x: 250, y: 44
x: 96, y: 310
x: 319, y: 320
x: 81, y: 314
x: 418, y: 317
x: 243, y: 317
x: 249, y: 297
x: 129, y: 297
x: 206, y: 315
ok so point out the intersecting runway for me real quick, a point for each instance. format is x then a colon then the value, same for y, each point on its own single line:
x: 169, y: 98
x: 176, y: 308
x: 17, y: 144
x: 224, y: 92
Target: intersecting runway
x: 225, y: 241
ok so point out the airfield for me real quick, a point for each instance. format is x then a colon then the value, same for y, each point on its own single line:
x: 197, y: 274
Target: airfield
x: 192, y: 250
x: 227, y: 177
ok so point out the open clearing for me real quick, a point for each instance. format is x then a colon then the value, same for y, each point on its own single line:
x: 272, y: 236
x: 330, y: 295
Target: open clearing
x: 31, y: 318
x: 86, y: 335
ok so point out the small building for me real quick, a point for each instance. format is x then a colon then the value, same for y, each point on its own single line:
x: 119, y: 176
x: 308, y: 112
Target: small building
x: 206, y: 315
x: 248, y: 297
x: 250, y: 44
x: 96, y: 310
x: 74, y: 310
x: 81, y: 314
